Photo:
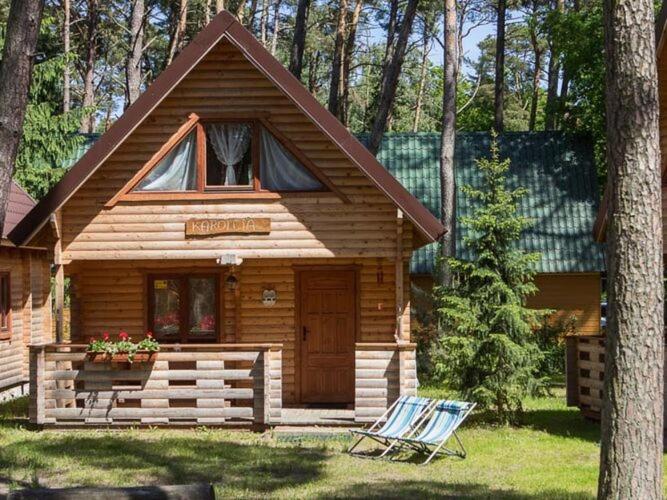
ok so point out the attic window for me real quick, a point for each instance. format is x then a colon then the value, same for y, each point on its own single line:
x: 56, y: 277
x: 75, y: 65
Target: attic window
x: 226, y: 155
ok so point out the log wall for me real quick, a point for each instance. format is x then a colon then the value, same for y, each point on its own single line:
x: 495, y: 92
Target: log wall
x: 30, y: 312
x: 383, y: 372
x: 111, y: 296
x: 575, y: 294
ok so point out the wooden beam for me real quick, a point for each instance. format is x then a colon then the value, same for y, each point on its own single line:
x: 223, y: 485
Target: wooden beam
x: 399, y: 277
x: 59, y: 280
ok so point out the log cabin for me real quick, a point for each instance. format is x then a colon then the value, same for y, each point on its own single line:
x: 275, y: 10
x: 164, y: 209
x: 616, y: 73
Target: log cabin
x: 25, y: 298
x: 558, y: 171
x: 228, y: 213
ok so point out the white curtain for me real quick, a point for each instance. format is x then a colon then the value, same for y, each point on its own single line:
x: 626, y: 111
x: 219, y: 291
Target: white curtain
x: 176, y: 171
x: 280, y: 171
x: 230, y: 142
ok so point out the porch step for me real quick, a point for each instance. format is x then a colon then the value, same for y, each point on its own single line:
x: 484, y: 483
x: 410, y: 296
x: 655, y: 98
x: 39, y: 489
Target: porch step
x: 324, y: 417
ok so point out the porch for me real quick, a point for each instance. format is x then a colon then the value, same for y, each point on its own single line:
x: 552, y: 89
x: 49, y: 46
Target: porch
x: 203, y: 384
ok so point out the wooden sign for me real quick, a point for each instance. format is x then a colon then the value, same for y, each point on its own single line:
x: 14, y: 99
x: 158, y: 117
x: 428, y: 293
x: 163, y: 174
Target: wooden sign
x: 209, y: 227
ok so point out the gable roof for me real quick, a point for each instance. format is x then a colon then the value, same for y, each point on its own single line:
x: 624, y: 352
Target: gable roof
x: 224, y: 25
x: 19, y: 204
x: 557, y: 169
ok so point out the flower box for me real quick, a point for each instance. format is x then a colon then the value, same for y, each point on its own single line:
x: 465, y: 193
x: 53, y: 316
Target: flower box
x: 122, y: 357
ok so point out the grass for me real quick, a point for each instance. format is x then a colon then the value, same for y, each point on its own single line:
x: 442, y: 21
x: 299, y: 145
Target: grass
x: 553, y: 455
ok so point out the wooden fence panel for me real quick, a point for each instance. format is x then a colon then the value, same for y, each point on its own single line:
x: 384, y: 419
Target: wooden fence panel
x: 203, y: 385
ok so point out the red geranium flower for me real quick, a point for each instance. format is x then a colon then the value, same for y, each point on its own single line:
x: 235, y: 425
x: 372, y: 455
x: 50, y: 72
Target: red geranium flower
x: 123, y: 335
x: 105, y: 335
x: 149, y: 335
x: 92, y: 339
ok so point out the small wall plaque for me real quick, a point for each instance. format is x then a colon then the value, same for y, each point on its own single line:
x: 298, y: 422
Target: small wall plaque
x: 209, y: 227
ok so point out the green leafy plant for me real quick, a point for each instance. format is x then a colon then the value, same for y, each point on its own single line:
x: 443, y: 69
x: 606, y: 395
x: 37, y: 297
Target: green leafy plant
x: 487, y: 350
x: 123, y: 345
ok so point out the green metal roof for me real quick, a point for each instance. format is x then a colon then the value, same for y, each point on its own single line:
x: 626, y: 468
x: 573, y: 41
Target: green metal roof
x: 557, y: 169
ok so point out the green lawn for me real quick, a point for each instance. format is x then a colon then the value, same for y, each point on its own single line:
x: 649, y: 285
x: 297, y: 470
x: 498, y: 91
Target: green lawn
x: 554, y: 455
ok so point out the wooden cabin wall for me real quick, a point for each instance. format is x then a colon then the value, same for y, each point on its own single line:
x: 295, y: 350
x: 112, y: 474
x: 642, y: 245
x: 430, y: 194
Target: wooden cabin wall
x: 571, y: 294
x: 314, y: 226
x: 575, y: 294
x: 29, y: 275
x: 112, y: 296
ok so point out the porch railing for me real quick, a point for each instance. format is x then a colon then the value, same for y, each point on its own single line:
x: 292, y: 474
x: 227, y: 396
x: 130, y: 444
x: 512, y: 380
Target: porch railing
x: 203, y: 384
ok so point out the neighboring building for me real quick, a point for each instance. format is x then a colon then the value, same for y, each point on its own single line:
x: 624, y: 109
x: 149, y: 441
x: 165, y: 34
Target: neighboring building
x: 234, y: 217
x: 25, y: 298
x: 559, y: 173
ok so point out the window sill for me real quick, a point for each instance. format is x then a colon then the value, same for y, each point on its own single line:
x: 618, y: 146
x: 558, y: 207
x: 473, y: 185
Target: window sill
x: 5, y: 336
x: 220, y: 195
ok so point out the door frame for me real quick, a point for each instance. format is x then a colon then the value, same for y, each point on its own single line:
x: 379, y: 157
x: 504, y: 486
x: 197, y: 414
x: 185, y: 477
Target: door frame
x: 298, y: 344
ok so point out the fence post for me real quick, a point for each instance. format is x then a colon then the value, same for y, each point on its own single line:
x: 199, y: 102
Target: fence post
x: 571, y: 370
x: 276, y: 384
x: 259, y: 374
x: 37, y: 369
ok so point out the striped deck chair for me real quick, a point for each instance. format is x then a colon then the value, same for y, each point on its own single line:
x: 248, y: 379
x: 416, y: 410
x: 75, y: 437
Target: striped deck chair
x: 445, y: 418
x: 404, y: 415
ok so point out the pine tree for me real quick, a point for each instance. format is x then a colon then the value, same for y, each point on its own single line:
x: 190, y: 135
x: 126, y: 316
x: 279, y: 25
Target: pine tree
x: 488, y: 351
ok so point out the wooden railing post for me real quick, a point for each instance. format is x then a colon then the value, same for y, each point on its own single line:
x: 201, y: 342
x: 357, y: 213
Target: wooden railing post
x: 407, y: 371
x: 571, y: 371
x: 260, y: 382
x: 276, y: 385
x: 37, y: 374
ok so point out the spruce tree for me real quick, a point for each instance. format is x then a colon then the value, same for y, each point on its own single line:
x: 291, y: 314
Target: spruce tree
x: 488, y: 351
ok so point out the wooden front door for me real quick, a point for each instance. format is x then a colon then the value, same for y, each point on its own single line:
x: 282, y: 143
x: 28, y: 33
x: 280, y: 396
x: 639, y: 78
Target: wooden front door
x: 327, y: 333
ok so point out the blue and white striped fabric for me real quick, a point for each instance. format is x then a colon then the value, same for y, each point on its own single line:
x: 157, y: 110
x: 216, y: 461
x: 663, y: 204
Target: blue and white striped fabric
x: 405, y: 415
x: 445, y: 419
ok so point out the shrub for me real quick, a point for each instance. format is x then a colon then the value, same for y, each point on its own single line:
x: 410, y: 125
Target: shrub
x: 488, y: 351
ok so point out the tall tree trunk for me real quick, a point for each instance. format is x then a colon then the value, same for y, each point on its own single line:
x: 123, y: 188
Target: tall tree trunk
x: 251, y: 18
x: 563, y: 112
x: 133, y: 63
x: 499, y: 86
x: 426, y: 47
x: 276, y: 26
x: 21, y: 34
x: 448, y: 139
x: 390, y: 80
x: 337, y: 63
x: 537, y: 74
x: 219, y: 6
x: 313, y: 70
x: 263, y: 21
x: 88, y: 101
x: 207, y: 12
x: 67, y: 11
x: 348, y: 55
x: 632, y: 407
x: 178, y: 34
x: 552, y: 107
x: 299, y: 39
x: 238, y: 12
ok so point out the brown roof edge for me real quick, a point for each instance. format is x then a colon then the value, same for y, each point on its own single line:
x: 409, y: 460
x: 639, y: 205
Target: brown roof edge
x: 225, y: 24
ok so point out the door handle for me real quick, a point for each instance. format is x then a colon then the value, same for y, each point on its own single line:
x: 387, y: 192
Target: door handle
x: 305, y: 333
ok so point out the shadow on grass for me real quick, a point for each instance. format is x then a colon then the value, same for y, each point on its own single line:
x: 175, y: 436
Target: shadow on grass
x: 442, y: 489
x: 165, y: 460
x: 566, y: 423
